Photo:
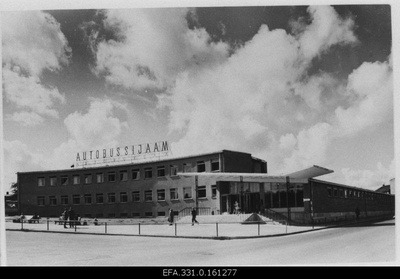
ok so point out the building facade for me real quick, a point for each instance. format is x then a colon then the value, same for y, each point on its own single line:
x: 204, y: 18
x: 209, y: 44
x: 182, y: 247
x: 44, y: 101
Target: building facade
x: 147, y: 189
x: 212, y: 182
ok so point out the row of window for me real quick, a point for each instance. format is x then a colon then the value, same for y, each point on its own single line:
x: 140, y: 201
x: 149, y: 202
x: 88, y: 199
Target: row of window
x: 122, y: 175
x: 339, y: 192
x: 136, y: 196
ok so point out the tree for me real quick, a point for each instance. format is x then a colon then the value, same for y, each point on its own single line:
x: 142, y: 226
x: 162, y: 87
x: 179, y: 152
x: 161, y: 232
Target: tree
x: 14, y: 191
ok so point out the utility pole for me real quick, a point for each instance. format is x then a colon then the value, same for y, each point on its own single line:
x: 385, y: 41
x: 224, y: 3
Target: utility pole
x: 287, y: 197
x: 196, y: 183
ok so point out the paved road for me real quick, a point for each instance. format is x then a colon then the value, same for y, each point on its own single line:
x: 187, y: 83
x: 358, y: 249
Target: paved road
x: 373, y: 244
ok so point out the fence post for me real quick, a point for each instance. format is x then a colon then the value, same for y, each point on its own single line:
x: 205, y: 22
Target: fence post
x: 22, y: 224
x: 47, y: 223
x: 175, y: 229
x: 76, y: 223
x: 258, y: 228
x: 217, y: 228
x: 139, y: 228
x: 105, y: 227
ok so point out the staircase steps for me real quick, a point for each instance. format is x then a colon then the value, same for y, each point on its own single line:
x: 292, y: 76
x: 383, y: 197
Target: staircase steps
x: 226, y: 218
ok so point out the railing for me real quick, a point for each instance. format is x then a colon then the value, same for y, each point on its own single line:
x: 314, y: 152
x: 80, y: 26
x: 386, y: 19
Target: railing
x: 275, y: 216
x: 187, y: 211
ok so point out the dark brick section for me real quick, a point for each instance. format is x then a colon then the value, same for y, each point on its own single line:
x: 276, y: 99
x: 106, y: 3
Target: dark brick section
x: 120, y: 193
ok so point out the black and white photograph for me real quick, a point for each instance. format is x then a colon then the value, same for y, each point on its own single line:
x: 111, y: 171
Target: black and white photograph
x: 198, y: 137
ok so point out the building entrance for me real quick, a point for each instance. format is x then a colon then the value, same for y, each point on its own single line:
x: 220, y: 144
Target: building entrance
x: 248, y: 202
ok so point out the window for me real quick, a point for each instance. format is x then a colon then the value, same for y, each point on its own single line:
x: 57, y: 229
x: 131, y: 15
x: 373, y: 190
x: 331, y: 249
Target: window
x: 111, y: 176
x: 53, y: 181
x: 41, y: 181
x: 136, y: 196
x: 88, y: 179
x: 123, y: 197
x: 123, y: 175
x: 329, y: 191
x: 161, y: 194
x: 111, y: 197
x: 76, y: 179
x: 201, y: 191
x: 135, y: 214
x: 100, y: 177
x: 187, y: 192
x: 160, y: 213
x: 201, y: 166
x: 214, y: 191
x: 215, y: 165
x: 148, y: 214
x: 40, y: 200
x: 64, y: 180
x: 335, y: 192
x: 148, y: 173
x: 160, y: 171
x: 173, y: 193
x: 99, y: 198
x: 76, y: 199
x: 64, y: 200
x: 135, y: 174
x: 341, y: 193
x: 52, y: 200
x: 173, y: 170
x: 148, y: 195
x: 187, y: 167
x: 87, y: 198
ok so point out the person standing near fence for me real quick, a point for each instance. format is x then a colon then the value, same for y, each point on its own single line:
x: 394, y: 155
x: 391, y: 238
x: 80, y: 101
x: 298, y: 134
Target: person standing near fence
x: 194, y: 214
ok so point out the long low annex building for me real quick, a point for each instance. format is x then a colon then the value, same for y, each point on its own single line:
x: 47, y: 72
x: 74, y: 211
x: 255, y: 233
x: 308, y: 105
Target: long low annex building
x: 211, y: 182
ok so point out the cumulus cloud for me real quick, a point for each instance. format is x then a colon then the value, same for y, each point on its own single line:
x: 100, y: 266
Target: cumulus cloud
x: 370, y: 179
x: 32, y: 42
x: 152, y: 47
x: 256, y: 97
x: 326, y: 29
x: 262, y: 92
x: 29, y: 93
x: 18, y: 156
x: 98, y: 127
x: 370, y: 94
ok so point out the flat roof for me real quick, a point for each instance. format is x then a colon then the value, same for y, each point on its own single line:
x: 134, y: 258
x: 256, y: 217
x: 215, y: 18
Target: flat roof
x: 301, y: 176
x: 141, y: 162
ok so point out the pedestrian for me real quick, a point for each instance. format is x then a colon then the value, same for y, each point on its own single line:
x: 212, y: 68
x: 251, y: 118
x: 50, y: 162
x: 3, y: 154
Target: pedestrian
x: 71, y: 215
x: 65, y: 217
x: 237, y: 208
x: 171, y: 217
x: 357, y: 211
x: 194, y: 214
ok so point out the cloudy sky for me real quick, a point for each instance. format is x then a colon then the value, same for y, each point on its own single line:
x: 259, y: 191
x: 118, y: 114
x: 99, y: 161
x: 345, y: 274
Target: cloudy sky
x: 293, y: 85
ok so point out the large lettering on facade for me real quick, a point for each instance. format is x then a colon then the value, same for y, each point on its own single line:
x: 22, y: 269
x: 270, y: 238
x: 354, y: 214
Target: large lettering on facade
x: 123, y: 154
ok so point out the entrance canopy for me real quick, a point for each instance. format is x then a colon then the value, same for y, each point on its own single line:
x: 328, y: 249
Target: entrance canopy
x: 301, y: 176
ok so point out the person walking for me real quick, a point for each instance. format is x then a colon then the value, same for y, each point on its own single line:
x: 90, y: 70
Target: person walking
x: 171, y: 217
x: 65, y: 217
x: 194, y: 214
x: 71, y: 215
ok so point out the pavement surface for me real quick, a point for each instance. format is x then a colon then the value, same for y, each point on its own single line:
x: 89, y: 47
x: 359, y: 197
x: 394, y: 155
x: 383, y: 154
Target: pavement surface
x: 181, y: 229
x: 369, y: 244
